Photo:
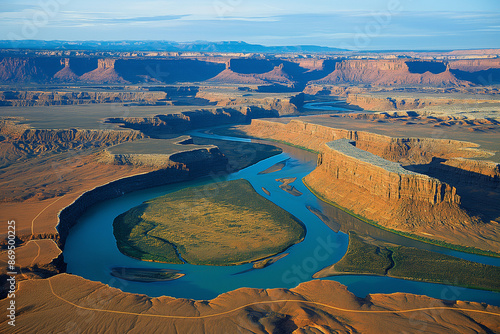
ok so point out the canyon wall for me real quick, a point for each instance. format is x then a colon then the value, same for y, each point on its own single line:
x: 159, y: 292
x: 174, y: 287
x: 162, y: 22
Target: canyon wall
x: 289, y: 73
x: 397, y: 72
x: 38, y: 141
x: 177, y: 123
x: 401, y: 150
x: 44, y: 98
x: 383, y: 191
x: 376, y: 103
x: 194, y: 158
x: 182, y: 167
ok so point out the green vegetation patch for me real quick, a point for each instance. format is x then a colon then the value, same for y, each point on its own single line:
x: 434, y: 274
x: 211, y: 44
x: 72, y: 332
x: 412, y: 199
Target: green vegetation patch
x: 362, y: 257
x: 223, y: 223
x: 416, y: 264
x: 428, y: 266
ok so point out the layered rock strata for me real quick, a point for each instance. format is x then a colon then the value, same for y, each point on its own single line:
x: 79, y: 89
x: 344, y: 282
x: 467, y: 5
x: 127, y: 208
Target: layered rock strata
x: 401, y: 150
x: 187, y: 120
x: 383, y: 191
x: 399, y: 72
x: 46, y: 98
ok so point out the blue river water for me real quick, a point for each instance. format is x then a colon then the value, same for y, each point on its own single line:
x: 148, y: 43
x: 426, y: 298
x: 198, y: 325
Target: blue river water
x: 91, y: 250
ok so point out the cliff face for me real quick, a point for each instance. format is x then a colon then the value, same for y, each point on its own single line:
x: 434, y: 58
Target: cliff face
x: 181, y: 167
x: 18, y: 141
x: 383, y: 191
x: 398, y: 72
x: 390, y: 103
x: 401, y: 150
x: 104, y: 73
x: 286, y: 72
x: 474, y: 65
x: 44, y: 98
x: 176, y: 123
x: 276, y: 76
x: 37, y: 141
x: 194, y: 159
x: 381, y: 177
x: 26, y: 69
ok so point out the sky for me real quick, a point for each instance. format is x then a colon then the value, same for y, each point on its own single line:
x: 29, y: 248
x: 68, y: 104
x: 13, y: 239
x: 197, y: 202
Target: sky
x: 349, y: 24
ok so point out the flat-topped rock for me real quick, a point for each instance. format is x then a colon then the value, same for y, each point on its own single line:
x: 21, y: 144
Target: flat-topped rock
x: 347, y: 147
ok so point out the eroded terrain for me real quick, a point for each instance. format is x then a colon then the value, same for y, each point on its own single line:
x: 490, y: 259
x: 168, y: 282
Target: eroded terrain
x: 422, y: 161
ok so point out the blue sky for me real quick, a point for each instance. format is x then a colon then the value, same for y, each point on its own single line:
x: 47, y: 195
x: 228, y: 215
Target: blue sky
x: 352, y: 24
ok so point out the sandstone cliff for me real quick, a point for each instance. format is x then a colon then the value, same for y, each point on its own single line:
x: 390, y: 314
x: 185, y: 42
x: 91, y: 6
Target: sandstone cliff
x: 400, y: 72
x: 276, y: 76
x: 401, y: 150
x: 377, y: 103
x: 104, y: 73
x: 239, y: 70
x: 19, y: 141
x: 46, y: 98
x: 383, y: 191
x: 66, y: 74
x: 444, y: 209
x: 176, y: 123
x: 194, y: 158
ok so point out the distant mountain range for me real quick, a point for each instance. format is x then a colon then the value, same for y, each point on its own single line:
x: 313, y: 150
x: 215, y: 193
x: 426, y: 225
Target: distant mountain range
x: 199, y: 46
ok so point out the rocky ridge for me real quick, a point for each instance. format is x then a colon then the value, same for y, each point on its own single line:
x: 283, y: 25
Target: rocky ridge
x: 383, y: 191
x: 401, y: 150
x: 411, y: 203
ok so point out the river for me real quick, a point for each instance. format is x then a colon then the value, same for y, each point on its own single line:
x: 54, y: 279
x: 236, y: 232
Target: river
x: 91, y: 250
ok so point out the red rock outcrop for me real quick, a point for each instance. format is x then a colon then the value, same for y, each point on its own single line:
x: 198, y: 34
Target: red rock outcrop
x: 28, y: 69
x: 50, y: 98
x: 66, y: 74
x: 104, y: 73
x: 383, y: 191
x: 474, y: 65
x: 481, y: 167
x: 384, y: 72
x: 25, y: 141
x: 391, y: 200
x: 401, y: 150
x: 275, y: 76
x: 394, y: 103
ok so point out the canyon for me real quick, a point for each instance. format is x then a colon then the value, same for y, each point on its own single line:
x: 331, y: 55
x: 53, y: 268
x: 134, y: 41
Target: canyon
x: 22, y: 68
x: 362, y: 172
x: 407, y: 142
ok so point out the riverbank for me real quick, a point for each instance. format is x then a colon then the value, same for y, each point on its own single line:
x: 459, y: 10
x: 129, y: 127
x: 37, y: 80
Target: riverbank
x: 370, y: 257
x: 439, y: 243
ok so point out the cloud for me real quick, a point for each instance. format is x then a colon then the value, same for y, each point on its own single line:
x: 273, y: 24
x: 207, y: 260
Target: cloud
x: 142, y: 19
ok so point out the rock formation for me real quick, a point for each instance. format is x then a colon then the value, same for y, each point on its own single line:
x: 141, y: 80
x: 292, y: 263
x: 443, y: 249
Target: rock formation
x: 440, y: 207
x: 285, y: 71
x: 177, y: 123
x: 276, y: 76
x: 383, y: 72
x: 104, y: 73
x: 401, y: 150
x: 45, y: 98
x: 66, y: 74
x: 383, y: 191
